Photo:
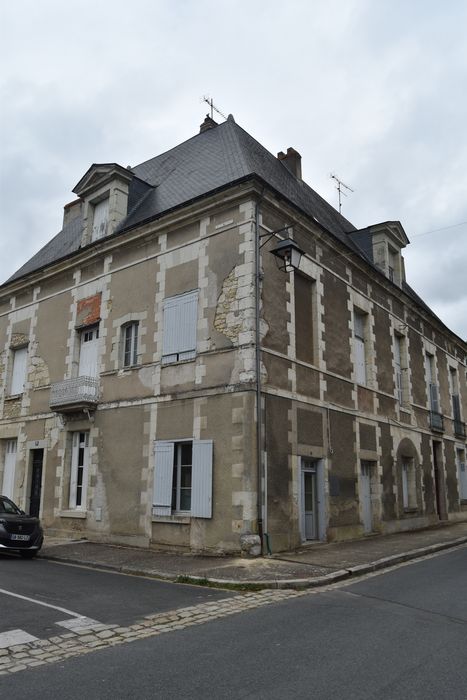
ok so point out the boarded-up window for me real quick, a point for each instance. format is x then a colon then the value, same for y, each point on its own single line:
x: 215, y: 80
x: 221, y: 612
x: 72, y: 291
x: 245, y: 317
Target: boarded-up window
x: 359, y: 345
x: 304, y: 330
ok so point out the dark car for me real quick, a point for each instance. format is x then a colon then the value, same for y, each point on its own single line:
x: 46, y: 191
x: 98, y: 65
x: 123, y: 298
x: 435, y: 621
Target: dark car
x: 19, y: 532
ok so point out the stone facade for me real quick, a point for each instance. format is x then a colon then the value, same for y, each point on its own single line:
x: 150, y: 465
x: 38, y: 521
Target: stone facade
x: 349, y: 446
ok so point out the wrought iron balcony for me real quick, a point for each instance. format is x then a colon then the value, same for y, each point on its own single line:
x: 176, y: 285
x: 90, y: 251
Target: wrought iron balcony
x: 437, y: 421
x: 459, y: 428
x: 81, y: 393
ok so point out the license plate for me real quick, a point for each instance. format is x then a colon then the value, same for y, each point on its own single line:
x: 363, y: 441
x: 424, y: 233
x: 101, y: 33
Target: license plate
x: 20, y: 537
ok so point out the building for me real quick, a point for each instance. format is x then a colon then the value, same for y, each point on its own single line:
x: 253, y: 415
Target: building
x: 142, y: 402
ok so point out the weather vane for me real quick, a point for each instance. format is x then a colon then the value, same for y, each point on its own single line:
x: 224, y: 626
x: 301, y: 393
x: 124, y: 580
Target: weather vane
x: 213, y: 107
x: 339, y: 187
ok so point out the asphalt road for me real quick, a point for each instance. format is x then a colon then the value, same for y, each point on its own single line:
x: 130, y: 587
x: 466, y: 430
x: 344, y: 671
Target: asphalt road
x: 36, y: 596
x: 399, y: 635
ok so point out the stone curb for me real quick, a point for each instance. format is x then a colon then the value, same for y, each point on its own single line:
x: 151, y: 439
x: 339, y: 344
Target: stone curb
x: 296, y: 584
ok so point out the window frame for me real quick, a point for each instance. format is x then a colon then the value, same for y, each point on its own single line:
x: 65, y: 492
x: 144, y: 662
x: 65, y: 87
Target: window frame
x: 360, y: 321
x: 409, y: 485
x: 131, y: 328
x: 79, y: 470
x: 167, y: 465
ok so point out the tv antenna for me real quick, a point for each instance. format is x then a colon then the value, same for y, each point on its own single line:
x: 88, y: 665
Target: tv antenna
x: 339, y: 187
x: 212, y: 106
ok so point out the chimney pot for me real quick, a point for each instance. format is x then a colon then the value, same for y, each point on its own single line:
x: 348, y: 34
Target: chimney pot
x: 208, y: 123
x: 292, y: 161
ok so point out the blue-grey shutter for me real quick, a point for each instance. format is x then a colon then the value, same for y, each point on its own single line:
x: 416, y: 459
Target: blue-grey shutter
x: 201, y: 481
x: 163, y: 477
x: 180, y: 323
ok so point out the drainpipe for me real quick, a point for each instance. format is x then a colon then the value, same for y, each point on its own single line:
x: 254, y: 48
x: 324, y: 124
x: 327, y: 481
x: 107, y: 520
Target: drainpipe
x: 259, y: 432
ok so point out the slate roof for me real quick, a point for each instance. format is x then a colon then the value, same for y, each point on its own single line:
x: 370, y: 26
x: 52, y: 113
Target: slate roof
x: 213, y: 159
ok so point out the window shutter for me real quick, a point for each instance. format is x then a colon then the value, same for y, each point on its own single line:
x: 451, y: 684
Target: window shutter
x: 163, y: 478
x: 201, y: 494
x: 180, y: 322
x: 360, y: 366
x: 100, y: 219
x: 19, y: 370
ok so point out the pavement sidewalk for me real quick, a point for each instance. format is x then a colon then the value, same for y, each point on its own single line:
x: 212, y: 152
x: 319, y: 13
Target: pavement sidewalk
x: 312, y: 565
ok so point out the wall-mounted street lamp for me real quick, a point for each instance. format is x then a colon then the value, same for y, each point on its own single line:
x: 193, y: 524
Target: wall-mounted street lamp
x: 288, y: 255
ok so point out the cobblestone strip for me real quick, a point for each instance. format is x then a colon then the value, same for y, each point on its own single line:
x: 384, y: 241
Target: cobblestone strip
x: 20, y: 657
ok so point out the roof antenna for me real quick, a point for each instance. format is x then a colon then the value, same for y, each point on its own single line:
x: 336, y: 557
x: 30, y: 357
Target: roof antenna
x: 213, y: 107
x: 339, y: 187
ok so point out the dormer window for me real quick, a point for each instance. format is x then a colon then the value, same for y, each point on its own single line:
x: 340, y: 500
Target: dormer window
x: 100, y: 221
x: 383, y: 244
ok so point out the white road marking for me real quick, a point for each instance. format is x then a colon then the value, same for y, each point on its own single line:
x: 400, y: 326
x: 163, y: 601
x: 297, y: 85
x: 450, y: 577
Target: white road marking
x: 13, y: 637
x: 39, y: 602
x: 79, y: 623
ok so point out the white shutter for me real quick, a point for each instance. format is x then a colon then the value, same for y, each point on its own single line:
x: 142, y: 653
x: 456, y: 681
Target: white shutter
x: 18, y: 375
x: 100, y: 220
x: 360, y: 365
x: 9, y: 470
x: 201, y: 480
x: 180, y: 323
x: 163, y: 478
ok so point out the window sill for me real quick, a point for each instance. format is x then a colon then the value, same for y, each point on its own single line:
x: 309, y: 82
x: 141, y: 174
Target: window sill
x: 175, y: 519
x: 410, y: 511
x: 13, y: 397
x: 82, y: 514
x: 405, y: 409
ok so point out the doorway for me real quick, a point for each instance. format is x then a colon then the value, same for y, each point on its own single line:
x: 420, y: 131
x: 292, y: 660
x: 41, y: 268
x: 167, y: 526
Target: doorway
x: 36, y: 483
x: 311, y: 499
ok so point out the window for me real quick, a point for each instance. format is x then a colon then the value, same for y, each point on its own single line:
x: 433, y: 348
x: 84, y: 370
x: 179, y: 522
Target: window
x: 305, y: 318
x: 462, y: 471
x: 409, y: 494
x: 179, y: 324
x: 18, y: 373
x: 183, y: 478
x: 100, y: 220
x: 436, y: 419
x: 459, y: 427
x: 400, y: 363
x: 130, y: 344
x: 79, y: 470
x: 359, y: 344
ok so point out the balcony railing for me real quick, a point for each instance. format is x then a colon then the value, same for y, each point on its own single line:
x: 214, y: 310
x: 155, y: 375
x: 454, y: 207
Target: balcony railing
x: 436, y: 421
x: 74, y: 394
x: 459, y: 428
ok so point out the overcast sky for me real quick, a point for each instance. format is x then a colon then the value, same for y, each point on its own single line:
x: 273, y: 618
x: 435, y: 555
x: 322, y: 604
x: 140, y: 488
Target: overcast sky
x: 374, y: 91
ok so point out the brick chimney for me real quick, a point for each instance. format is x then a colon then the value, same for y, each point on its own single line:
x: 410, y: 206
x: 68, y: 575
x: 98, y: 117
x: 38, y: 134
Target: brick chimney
x: 207, y: 124
x: 292, y: 161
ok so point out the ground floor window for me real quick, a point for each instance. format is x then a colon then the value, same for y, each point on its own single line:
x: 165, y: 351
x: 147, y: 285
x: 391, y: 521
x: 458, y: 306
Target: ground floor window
x: 462, y: 471
x: 409, y: 490
x: 9, y: 467
x: 79, y: 470
x: 183, y: 478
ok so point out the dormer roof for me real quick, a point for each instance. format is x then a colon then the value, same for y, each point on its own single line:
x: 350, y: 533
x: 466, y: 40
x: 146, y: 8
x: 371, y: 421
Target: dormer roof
x: 98, y: 175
